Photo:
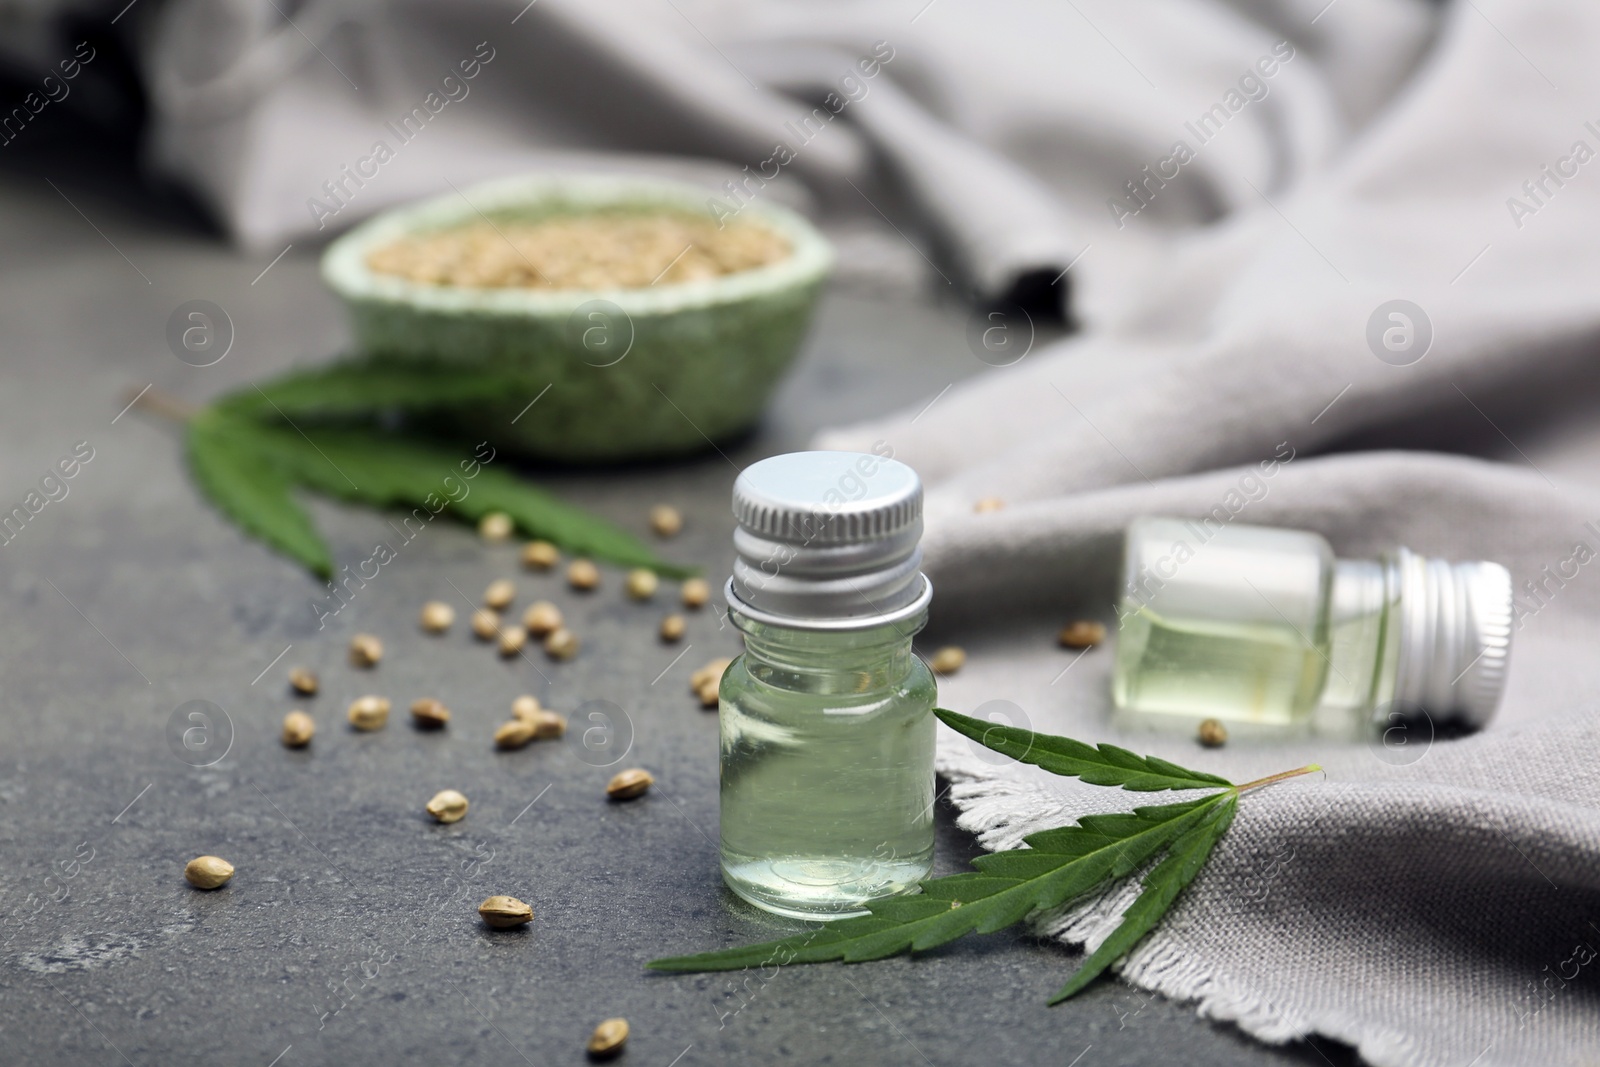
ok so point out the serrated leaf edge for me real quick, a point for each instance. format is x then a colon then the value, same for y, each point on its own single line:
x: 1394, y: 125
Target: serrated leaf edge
x: 1103, y: 764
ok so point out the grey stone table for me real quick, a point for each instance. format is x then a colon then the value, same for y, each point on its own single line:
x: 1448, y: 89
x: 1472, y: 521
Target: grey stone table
x: 349, y: 935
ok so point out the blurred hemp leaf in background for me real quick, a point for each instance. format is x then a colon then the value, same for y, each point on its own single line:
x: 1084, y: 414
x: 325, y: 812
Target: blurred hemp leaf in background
x: 319, y: 430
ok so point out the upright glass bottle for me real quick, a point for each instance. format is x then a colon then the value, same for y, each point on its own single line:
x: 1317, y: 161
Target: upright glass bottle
x: 1265, y: 630
x: 827, y: 718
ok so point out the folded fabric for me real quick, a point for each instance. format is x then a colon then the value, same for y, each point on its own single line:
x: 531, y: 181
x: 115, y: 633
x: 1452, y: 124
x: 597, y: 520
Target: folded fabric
x: 999, y: 135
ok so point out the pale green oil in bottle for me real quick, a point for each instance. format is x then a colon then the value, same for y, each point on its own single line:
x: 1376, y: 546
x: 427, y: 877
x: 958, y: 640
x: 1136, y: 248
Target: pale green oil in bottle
x: 827, y: 768
x: 1255, y: 672
x: 1260, y: 628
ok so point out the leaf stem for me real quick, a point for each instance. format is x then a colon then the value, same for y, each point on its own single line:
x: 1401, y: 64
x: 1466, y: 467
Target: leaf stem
x: 162, y: 404
x: 1279, y: 777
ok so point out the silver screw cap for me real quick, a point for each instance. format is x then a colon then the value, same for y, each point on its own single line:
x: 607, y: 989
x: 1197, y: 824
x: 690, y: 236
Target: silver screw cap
x: 828, y: 541
x: 1455, y: 636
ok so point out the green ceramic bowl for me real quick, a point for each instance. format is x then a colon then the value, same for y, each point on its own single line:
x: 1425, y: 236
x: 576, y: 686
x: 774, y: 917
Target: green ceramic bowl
x: 631, y: 373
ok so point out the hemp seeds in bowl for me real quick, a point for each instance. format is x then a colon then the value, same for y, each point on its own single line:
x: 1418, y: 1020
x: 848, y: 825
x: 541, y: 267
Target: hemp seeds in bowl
x: 614, y: 249
x: 650, y: 322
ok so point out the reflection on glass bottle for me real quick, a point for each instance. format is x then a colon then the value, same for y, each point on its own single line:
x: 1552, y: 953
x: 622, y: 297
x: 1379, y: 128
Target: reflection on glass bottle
x: 1267, y: 631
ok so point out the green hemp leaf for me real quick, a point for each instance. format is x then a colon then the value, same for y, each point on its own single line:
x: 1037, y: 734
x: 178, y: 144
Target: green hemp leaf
x: 1057, y: 867
x: 248, y: 455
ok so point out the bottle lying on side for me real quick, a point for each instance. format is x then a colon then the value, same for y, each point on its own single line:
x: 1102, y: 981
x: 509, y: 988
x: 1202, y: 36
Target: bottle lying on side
x: 1266, y: 631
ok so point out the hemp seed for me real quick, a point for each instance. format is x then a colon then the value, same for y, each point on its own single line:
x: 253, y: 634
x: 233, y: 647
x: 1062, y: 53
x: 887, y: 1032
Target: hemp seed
x: 297, y: 729
x: 512, y: 638
x: 540, y: 555
x: 608, y: 1039
x: 642, y: 583
x: 561, y: 644
x: 948, y: 660
x: 629, y: 784
x: 208, y: 872
x: 485, y: 624
x: 495, y: 526
x: 365, y: 650
x: 448, y: 806
x: 696, y: 592
x: 1085, y: 633
x: 514, y: 733
x: 711, y: 672
x: 369, y: 712
x: 583, y: 575
x: 666, y: 520
x: 437, y: 616
x: 1212, y: 733
x: 672, y: 628
x: 706, y: 682
x: 303, y: 681
x: 503, y: 912
x: 499, y: 595
x: 545, y: 724
x: 597, y: 249
x: 542, y: 617
x: 429, y: 714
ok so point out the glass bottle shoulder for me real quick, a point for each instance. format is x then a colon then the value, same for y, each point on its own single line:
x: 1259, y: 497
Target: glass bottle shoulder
x: 857, y: 692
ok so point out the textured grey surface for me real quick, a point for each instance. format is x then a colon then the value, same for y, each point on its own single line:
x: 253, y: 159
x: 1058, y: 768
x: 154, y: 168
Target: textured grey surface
x: 349, y: 934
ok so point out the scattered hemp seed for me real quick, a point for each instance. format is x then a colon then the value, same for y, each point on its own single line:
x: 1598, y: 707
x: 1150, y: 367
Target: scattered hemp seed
x: 948, y: 660
x: 448, y: 806
x: 583, y: 575
x: 208, y: 872
x: 629, y: 784
x: 696, y: 592
x: 642, y: 583
x: 495, y: 526
x: 485, y: 624
x: 1212, y: 733
x: 711, y: 672
x: 303, y: 681
x: 499, y: 595
x: 706, y: 682
x: 512, y: 638
x: 503, y: 912
x: 369, y: 712
x: 562, y: 643
x: 297, y: 729
x: 1085, y: 633
x: 542, y: 617
x: 549, y: 726
x: 540, y: 555
x: 666, y: 520
x: 365, y: 650
x: 608, y: 1039
x: 429, y: 714
x: 514, y: 733
x: 988, y: 503
x: 672, y: 628
x: 437, y: 616
x: 526, y: 708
